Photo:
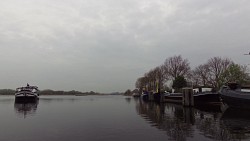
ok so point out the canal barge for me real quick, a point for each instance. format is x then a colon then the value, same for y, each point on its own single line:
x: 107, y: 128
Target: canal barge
x: 206, y: 96
x: 26, y: 94
x: 173, y: 97
x: 235, y: 96
x: 202, y: 96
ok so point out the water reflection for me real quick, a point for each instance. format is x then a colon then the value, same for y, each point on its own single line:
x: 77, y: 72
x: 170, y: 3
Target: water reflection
x: 175, y: 120
x: 25, y: 109
x: 50, y: 99
x: 128, y: 99
x: 182, y: 123
x: 237, y: 123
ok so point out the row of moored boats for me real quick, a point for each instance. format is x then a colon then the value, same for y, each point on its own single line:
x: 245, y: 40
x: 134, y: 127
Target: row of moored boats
x: 232, y: 94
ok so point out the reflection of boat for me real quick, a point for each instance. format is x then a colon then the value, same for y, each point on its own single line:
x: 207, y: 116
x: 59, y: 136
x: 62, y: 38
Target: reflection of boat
x: 28, y: 93
x: 235, y: 96
x: 26, y: 108
x: 212, y: 108
x: 237, y: 121
x: 145, y: 96
x: 185, y: 123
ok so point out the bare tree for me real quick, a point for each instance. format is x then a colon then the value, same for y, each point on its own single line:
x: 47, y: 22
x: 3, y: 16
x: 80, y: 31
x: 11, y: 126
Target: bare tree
x: 141, y: 83
x: 152, y: 80
x: 200, y: 75
x: 161, y: 76
x: 217, y: 66
x: 176, y: 66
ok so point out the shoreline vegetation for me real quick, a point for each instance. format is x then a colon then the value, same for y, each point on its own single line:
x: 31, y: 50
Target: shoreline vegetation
x: 52, y: 92
x: 176, y: 73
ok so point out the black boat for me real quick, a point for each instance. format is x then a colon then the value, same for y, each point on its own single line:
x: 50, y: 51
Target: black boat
x: 202, y: 96
x: 145, y: 95
x: 207, y: 97
x: 235, y: 96
x: 173, y: 97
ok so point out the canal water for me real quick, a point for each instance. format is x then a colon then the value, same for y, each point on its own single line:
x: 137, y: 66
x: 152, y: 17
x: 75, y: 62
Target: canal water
x: 117, y: 118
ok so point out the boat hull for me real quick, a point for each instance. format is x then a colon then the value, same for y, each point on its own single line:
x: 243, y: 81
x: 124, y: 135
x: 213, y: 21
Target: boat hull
x: 26, y: 97
x: 235, y: 96
x: 173, y: 98
x: 207, y: 98
x: 199, y: 98
x: 145, y: 97
x: 236, y: 102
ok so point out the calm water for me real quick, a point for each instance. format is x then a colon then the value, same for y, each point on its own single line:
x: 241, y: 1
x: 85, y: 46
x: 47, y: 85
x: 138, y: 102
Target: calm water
x: 116, y: 118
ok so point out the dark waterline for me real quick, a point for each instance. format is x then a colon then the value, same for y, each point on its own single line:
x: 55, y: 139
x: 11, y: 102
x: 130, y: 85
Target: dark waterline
x: 116, y: 118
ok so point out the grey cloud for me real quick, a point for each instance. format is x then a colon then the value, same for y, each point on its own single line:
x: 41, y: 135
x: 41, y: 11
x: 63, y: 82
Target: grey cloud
x: 106, y: 45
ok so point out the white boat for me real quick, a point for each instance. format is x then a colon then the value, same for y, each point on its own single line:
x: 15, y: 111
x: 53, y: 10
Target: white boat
x: 28, y: 93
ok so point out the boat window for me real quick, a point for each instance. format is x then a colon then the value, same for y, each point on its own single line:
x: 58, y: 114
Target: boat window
x: 233, y: 86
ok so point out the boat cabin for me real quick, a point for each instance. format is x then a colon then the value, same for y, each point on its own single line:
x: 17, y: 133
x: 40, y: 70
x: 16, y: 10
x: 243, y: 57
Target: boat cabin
x: 203, y: 90
x: 234, y: 86
x: 27, y: 89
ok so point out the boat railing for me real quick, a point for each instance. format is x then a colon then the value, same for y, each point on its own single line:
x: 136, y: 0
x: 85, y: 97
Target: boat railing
x: 245, y: 90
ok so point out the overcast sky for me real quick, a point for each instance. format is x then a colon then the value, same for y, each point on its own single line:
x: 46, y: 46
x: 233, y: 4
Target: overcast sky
x: 105, y: 45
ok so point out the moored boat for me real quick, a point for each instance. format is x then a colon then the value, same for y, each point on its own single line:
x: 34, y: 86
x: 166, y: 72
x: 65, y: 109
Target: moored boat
x: 145, y: 96
x: 235, y: 96
x: 206, y: 96
x: 173, y: 97
x: 136, y: 95
x: 26, y: 94
x: 202, y: 96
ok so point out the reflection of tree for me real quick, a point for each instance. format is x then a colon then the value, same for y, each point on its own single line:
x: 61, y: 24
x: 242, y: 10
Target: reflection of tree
x: 169, y: 119
x: 49, y: 99
x: 128, y: 99
x: 26, y: 108
x: 209, y: 126
x: 233, y: 125
x: 237, y: 123
x: 180, y: 122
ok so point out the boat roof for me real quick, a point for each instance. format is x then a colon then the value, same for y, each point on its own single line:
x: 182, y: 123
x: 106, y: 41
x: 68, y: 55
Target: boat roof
x: 28, y: 87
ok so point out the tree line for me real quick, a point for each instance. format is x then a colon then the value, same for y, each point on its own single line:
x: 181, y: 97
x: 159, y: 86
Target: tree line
x: 50, y: 92
x: 214, y: 73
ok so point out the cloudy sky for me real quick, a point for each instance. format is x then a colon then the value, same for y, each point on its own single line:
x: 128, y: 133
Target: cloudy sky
x: 105, y: 45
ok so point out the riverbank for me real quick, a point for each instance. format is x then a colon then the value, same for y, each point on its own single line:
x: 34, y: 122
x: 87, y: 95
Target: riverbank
x: 52, y: 92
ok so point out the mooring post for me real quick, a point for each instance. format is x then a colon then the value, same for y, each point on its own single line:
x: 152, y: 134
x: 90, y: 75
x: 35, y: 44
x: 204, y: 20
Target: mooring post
x: 187, y: 97
x: 162, y: 97
x: 150, y: 96
x: 188, y: 113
